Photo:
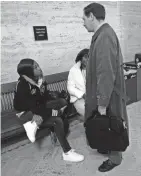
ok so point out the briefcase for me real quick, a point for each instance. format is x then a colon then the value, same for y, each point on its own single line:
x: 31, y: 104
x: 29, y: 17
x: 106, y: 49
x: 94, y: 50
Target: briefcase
x: 106, y: 133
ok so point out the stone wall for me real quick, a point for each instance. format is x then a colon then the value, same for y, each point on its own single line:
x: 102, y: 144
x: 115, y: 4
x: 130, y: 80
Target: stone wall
x: 130, y: 26
x: 66, y: 34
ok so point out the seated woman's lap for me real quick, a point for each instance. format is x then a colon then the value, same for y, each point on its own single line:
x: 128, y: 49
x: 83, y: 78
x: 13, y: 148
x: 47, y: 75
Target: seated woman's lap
x: 46, y: 113
x: 52, y: 121
x: 56, y: 104
x: 48, y: 119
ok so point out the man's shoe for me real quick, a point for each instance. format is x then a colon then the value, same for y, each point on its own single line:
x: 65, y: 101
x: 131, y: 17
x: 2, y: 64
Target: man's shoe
x: 107, y: 166
x: 103, y: 151
x: 73, y: 156
x: 31, y: 129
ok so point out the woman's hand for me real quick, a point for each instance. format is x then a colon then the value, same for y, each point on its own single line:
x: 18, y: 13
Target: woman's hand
x: 38, y: 119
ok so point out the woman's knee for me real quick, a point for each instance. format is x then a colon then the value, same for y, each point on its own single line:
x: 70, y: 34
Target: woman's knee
x: 80, y: 107
x: 58, y: 121
x: 62, y: 102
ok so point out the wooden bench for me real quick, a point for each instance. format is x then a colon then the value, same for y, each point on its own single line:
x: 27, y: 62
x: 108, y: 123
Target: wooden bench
x: 10, y: 125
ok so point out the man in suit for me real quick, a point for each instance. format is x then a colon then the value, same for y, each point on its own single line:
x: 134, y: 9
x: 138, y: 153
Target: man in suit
x: 105, y: 86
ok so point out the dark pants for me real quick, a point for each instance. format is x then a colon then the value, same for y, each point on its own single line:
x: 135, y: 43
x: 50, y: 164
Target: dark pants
x: 58, y: 126
x: 53, y: 122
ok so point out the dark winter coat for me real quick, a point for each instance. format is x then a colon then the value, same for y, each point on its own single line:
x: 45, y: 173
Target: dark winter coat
x: 105, y: 85
x: 29, y: 97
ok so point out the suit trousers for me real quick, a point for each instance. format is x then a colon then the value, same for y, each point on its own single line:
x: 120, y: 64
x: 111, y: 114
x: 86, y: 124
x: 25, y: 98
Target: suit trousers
x: 115, y: 157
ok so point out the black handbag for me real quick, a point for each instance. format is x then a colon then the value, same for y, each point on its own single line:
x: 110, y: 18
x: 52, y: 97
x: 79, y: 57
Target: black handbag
x: 53, y: 95
x: 106, y: 132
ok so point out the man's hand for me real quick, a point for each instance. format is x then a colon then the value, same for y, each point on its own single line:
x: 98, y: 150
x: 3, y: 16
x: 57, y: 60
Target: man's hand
x: 84, y: 95
x: 102, y: 110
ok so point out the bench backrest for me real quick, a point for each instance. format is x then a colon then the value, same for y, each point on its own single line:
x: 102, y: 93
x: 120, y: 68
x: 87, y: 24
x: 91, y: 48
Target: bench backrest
x: 55, y: 82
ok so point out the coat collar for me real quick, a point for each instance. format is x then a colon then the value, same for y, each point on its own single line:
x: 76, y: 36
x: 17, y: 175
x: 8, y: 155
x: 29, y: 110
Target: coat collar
x: 99, y: 31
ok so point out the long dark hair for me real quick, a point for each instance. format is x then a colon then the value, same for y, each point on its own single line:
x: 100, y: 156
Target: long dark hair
x: 26, y: 67
x: 81, y: 54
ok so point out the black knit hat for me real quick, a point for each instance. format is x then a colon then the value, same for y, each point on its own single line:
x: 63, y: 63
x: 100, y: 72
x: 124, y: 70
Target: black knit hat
x: 81, y: 54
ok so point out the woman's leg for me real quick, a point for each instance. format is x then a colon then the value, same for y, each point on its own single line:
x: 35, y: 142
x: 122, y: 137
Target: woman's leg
x: 56, y: 104
x: 59, y: 105
x: 58, y: 126
x: 27, y: 120
x: 80, y: 107
x: 68, y: 153
x: 24, y: 117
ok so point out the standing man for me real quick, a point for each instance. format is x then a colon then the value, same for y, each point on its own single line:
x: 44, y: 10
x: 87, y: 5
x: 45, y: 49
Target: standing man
x: 105, y: 86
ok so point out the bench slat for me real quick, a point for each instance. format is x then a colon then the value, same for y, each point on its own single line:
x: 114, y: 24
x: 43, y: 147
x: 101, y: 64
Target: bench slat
x: 10, y: 87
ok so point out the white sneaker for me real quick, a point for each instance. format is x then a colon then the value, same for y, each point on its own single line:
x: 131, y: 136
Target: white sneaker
x: 73, y: 156
x: 31, y: 129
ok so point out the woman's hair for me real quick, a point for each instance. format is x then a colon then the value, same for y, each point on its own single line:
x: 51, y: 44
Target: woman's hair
x: 26, y: 67
x: 81, y: 54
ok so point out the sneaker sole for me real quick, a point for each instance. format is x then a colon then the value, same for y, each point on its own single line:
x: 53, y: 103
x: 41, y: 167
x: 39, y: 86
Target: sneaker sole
x: 73, y: 161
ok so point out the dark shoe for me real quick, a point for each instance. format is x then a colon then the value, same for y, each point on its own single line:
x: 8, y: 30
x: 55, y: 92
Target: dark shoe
x: 103, y: 151
x: 107, y: 166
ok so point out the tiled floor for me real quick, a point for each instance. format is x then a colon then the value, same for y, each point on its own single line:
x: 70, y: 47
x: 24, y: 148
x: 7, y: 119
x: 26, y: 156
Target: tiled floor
x: 26, y: 159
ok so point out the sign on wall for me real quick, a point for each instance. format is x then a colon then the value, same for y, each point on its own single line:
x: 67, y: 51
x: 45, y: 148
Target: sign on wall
x: 40, y: 33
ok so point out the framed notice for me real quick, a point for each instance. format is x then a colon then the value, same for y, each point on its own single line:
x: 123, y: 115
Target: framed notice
x: 40, y: 33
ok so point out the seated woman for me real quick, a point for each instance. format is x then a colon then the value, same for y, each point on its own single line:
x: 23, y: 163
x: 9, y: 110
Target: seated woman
x: 32, y: 95
x: 77, y: 82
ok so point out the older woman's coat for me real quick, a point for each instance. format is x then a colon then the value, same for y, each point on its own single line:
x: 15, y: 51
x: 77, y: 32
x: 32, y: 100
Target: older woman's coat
x: 76, y: 83
x: 105, y: 85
